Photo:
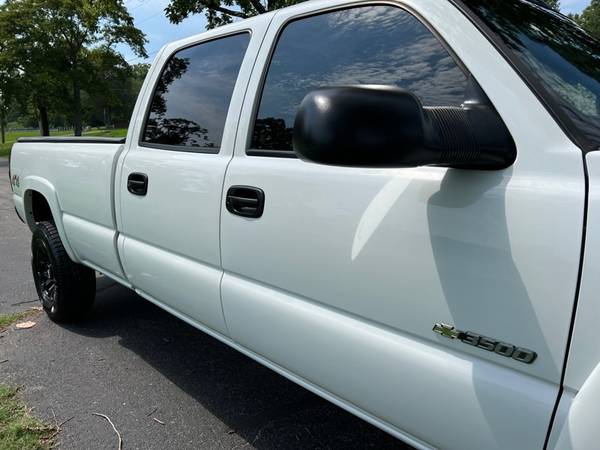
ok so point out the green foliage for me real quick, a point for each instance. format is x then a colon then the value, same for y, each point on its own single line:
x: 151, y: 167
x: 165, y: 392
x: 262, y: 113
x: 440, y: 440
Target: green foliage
x: 52, y: 50
x: 589, y: 19
x: 554, y: 4
x: 223, y: 11
x: 18, y: 429
x: 22, y: 52
x: 111, y: 100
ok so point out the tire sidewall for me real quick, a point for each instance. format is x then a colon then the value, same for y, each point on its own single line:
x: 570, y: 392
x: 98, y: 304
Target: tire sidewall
x: 75, y: 283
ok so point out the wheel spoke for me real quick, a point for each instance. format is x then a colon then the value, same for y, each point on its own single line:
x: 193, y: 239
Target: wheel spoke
x: 44, y: 277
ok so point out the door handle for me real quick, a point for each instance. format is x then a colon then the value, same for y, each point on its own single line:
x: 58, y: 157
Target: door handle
x: 245, y: 201
x: 137, y: 183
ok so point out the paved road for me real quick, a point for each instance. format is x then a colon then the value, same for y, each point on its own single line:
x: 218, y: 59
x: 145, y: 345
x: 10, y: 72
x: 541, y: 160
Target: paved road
x: 15, y: 268
x: 134, y: 362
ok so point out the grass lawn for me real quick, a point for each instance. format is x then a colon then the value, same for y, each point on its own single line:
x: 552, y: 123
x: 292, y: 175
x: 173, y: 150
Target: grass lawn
x: 8, y: 319
x: 18, y: 429
x: 12, y: 136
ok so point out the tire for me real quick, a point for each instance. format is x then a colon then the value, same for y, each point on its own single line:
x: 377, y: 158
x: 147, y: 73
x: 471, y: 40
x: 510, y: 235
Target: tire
x: 66, y: 289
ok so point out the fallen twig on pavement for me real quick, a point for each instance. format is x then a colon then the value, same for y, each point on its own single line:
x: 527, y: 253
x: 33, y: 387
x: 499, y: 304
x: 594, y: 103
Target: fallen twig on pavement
x: 65, y: 421
x: 114, y: 428
x: 58, y: 426
x: 55, y: 421
x: 24, y: 303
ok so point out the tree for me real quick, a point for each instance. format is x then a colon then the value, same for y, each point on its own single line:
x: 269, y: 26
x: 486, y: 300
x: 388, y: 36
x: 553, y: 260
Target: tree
x: 27, y: 61
x: 589, y: 19
x: 220, y: 12
x: 6, y: 75
x: 118, y: 85
x: 554, y: 4
x: 3, y: 114
x: 57, y: 44
x: 86, y: 30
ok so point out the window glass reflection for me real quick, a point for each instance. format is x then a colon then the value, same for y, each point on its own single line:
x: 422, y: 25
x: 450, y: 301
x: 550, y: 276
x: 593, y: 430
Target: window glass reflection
x: 192, y: 96
x: 363, y: 45
x: 560, y: 55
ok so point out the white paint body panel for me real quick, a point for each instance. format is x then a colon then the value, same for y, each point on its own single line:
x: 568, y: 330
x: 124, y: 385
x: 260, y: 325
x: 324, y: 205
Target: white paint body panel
x: 188, y: 226
x: 584, y: 355
x: 399, y: 250
x: 577, y: 424
x: 191, y: 288
x: 77, y: 181
x: 171, y: 236
x: 93, y: 243
x: 338, y: 285
x: 399, y: 379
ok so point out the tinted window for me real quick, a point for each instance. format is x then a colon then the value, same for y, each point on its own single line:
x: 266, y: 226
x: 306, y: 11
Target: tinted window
x: 363, y: 45
x: 192, y: 96
x: 560, y: 56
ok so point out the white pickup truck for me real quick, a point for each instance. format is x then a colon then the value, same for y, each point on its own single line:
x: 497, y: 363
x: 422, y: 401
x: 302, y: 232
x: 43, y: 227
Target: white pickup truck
x: 394, y: 204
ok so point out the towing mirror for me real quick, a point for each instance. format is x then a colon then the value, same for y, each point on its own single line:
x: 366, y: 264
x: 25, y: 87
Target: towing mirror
x: 385, y: 126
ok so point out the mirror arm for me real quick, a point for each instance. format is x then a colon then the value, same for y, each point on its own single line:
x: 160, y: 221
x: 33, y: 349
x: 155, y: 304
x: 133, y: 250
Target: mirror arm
x: 469, y: 137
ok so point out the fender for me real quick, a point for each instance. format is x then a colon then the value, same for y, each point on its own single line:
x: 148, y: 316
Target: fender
x: 33, y: 183
x: 579, y: 429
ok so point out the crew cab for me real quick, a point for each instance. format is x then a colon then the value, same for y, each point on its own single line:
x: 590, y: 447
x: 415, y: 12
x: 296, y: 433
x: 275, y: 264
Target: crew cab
x: 394, y: 204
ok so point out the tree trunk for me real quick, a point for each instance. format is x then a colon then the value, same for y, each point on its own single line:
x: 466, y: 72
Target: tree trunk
x: 77, y: 124
x: 44, y: 125
x: 2, y: 124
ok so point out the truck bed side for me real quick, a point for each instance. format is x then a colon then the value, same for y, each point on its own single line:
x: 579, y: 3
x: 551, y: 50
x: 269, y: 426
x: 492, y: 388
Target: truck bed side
x: 75, y: 177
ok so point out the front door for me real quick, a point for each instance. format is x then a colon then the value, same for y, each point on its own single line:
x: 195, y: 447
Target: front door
x: 343, y: 278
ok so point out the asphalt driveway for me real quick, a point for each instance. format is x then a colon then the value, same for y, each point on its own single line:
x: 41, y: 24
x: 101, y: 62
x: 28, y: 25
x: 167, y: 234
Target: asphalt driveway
x: 164, y: 384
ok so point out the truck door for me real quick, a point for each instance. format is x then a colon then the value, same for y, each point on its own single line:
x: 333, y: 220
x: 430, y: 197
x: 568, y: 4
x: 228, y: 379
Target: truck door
x: 345, y: 273
x: 172, y: 176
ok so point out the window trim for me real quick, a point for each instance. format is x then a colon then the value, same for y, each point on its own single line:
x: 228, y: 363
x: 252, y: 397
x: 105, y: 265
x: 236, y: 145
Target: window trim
x: 278, y: 153
x: 185, y: 148
x: 181, y: 148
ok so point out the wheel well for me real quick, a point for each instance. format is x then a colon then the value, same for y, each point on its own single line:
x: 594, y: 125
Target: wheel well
x: 40, y: 209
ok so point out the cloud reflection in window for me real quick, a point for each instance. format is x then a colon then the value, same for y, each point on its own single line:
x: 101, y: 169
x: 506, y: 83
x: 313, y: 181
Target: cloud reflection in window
x: 192, y: 96
x: 363, y: 45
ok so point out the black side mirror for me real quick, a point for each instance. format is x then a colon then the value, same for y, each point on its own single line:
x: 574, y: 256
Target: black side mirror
x: 385, y: 126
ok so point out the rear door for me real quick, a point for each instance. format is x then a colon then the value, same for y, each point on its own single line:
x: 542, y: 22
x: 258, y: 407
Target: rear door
x: 172, y: 177
x: 342, y: 279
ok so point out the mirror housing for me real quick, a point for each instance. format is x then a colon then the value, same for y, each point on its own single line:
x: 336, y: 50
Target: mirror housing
x: 385, y: 126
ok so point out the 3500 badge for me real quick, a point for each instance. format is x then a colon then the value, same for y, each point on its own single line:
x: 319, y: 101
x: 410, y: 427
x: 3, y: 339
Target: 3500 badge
x: 491, y: 345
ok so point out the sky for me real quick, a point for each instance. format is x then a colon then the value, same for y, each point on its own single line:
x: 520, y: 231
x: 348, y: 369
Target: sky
x: 573, y: 6
x: 149, y: 16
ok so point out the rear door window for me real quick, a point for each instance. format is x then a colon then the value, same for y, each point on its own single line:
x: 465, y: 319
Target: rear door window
x: 191, y: 98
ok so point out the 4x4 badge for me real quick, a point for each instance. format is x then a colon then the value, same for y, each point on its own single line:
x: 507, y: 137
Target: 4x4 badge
x: 491, y: 345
